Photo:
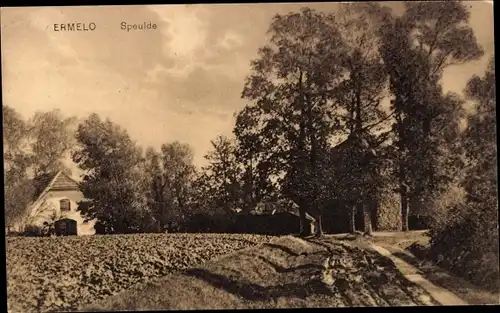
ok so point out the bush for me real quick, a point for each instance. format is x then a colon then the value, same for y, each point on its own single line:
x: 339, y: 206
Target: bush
x: 466, y: 242
x: 32, y: 231
x: 420, y: 222
x: 208, y: 223
x: 443, y: 203
x: 14, y: 234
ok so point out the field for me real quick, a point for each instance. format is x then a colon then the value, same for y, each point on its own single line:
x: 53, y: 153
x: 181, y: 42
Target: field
x: 286, y: 273
x: 56, y: 274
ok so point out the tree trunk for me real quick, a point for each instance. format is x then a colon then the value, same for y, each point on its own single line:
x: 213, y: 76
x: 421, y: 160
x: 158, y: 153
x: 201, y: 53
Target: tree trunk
x: 316, y: 198
x: 319, y: 226
x: 403, y: 190
x: 250, y: 189
x: 359, y: 121
x: 375, y: 207
x: 367, y: 219
x: 404, y: 212
x: 352, y: 219
x: 304, y: 229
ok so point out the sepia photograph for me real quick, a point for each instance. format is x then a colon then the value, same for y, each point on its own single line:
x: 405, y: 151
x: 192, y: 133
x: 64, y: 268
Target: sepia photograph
x: 249, y: 156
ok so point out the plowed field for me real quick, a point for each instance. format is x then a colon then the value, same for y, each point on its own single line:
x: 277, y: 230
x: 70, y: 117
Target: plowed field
x: 60, y: 274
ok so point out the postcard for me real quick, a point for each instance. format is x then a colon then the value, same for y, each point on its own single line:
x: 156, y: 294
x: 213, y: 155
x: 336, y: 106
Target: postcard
x: 246, y: 156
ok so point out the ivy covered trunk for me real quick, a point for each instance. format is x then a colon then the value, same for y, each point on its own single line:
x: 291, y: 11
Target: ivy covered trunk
x: 352, y: 219
x: 367, y: 218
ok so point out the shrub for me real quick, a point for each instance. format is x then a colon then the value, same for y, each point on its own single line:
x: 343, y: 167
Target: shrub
x: 32, y: 231
x: 467, y: 243
x: 443, y: 203
x: 14, y: 234
x: 208, y: 223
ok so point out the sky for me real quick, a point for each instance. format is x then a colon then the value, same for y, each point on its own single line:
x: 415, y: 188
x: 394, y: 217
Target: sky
x: 181, y: 81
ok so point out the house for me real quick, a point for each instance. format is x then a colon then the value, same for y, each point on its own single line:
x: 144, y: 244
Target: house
x: 57, y: 205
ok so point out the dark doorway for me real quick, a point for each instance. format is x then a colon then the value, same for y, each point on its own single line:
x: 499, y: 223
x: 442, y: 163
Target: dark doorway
x: 65, y: 227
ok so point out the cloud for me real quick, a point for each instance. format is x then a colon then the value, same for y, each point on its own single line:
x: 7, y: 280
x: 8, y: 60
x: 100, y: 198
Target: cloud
x: 230, y: 41
x: 180, y: 82
x: 187, y: 29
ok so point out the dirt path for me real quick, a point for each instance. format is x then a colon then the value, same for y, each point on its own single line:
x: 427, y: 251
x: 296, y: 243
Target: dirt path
x: 463, y: 289
x: 286, y: 273
x: 442, y: 295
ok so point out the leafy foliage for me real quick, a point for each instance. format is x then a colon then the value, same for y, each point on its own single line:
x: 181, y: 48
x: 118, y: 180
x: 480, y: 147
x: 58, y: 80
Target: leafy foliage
x: 169, y: 179
x: 319, y: 78
x: 219, y: 183
x: 17, y: 186
x: 35, y: 146
x: 112, y: 182
x: 289, y: 86
x: 416, y: 48
x: 52, y: 139
x: 469, y: 236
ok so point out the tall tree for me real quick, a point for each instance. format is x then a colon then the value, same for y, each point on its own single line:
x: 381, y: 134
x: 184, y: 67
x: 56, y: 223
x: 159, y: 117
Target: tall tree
x: 112, y: 181
x: 154, y: 186
x: 481, y: 183
x: 290, y: 88
x: 52, y: 139
x: 17, y: 186
x: 361, y: 92
x: 14, y: 135
x: 416, y: 48
x: 178, y: 175
x: 467, y: 235
x: 220, y: 182
x: 261, y: 169
x: 169, y: 177
x: 359, y: 97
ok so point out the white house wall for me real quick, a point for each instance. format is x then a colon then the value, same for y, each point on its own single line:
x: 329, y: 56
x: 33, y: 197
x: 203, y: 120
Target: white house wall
x: 50, y: 204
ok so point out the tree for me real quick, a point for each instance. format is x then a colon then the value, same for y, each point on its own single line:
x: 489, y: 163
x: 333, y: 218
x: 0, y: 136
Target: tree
x: 112, y: 181
x: 359, y: 97
x: 416, y: 48
x: 320, y: 77
x: 18, y: 193
x: 170, y: 178
x: 179, y: 169
x: 14, y: 136
x: 481, y: 151
x: 51, y: 139
x: 468, y: 235
x: 219, y: 183
x: 291, y: 112
x: 260, y: 169
x: 153, y: 186
x: 17, y: 186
